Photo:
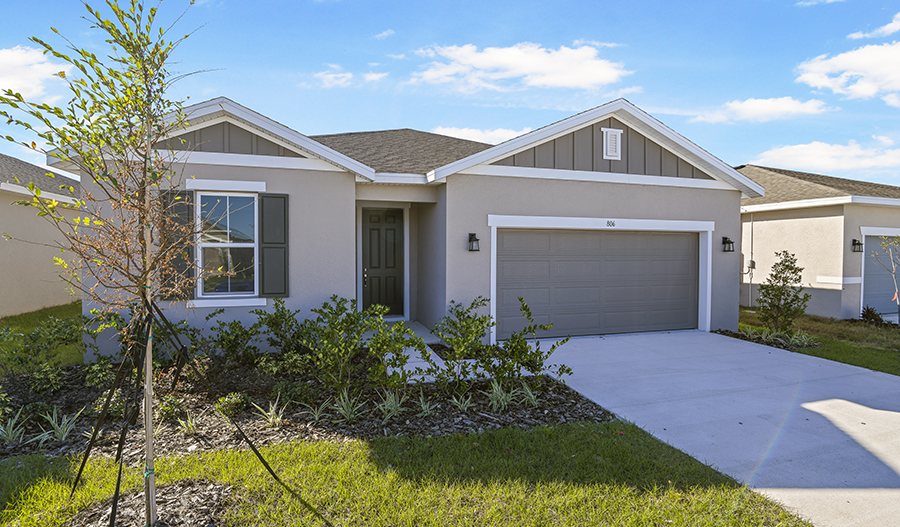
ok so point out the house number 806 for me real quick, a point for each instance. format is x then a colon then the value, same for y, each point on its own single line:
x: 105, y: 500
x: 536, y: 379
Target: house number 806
x: 610, y: 223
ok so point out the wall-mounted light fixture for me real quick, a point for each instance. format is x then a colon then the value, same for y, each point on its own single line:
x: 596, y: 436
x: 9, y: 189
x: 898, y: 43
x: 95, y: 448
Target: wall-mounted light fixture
x: 473, y: 242
x: 857, y: 246
x: 727, y: 245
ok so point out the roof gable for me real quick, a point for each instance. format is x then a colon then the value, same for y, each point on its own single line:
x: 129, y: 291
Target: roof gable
x: 637, y: 121
x: 790, y: 185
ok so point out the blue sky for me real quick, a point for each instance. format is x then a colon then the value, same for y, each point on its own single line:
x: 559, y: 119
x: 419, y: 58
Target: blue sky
x: 807, y: 85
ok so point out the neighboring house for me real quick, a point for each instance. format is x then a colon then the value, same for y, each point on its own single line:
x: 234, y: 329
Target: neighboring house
x: 30, y: 279
x: 605, y: 222
x: 833, y: 226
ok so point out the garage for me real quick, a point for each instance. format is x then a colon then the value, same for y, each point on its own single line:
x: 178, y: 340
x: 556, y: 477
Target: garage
x: 590, y: 282
x: 878, y: 284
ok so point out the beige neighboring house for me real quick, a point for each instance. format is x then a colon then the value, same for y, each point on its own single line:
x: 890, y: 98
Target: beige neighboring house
x: 30, y: 278
x: 605, y: 222
x: 834, y: 227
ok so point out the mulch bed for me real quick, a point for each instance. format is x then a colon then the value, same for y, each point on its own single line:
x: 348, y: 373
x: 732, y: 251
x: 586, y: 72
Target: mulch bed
x: 759, y: 340
x: 556, y: 403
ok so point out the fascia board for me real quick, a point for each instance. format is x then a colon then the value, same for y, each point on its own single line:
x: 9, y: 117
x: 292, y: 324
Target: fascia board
x: 19, y: 189
x: 630, y: 115
x: 823, y: 202
x: 278, y: 129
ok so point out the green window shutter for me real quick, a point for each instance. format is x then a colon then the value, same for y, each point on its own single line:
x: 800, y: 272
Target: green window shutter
x: 273, y: 245
x: 181, y: 204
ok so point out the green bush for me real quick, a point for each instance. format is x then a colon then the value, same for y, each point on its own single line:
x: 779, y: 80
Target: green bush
x: 388, y: 347
x: 234, y: 340
x: 116, y: 405
x: 871, y: 316
x: 98, y: 374
x: 463, y: 329
x: 284, y: 333
x: 34, y: 410
x: 27, y: 352
x: 46, y: 380
x: 233, y: 404
x: 780, y: 300
x: 293, y: 393
x: 5, y: 404
x: 170, y: 408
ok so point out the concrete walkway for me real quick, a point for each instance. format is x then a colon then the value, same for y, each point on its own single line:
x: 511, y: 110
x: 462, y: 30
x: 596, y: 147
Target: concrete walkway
x: 821, y: 437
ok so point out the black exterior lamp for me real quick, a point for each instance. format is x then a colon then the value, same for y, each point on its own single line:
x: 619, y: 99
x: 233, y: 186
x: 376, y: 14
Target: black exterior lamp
x: 473, y: 242
x: 857, y: 246
x: 727, y: 245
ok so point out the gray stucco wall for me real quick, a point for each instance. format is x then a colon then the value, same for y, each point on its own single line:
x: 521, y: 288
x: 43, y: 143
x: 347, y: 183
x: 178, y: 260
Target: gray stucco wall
x: 855, y: 217
x: 431, y: 259
x: 30, y: 278
x: 471, y: 198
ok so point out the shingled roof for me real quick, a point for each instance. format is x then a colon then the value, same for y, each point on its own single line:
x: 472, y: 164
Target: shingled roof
x: 12, y: 168
x: 789, y: 185
x: 403, y: 151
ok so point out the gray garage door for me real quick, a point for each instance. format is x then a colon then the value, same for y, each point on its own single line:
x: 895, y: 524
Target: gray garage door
x: 597, y: 282
x: 878, y: 286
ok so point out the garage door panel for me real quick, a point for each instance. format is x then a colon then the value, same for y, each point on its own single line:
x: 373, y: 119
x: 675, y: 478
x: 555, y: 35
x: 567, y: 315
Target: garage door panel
x: 878, y: 285
x: 596, y: 282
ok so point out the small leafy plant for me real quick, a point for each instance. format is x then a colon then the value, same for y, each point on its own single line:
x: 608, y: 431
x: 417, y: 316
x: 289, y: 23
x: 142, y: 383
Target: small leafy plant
x: 528, y: 395
x: 170, y: 408
x: 232, y: 404
x: 46, y: 380
x: 463, y: 329
x: 498, y: 398
x: 98, y: 374
x: 188, y: 425
x: 317, y: 411
x: 274, y: 416
x: 391, y: 404
x: 388, y: 347
x: 426, y: 407
x: 292, y: 392
x: 870, y: 315
x: 60, y: 427
x: 283, y: 333
x: 234, y: 340
x: 461, y: 402
x: 780, y: 300
x: 348, y: 407
x: 5, y: 404
x: 116, y: 408
x: 12, y: 430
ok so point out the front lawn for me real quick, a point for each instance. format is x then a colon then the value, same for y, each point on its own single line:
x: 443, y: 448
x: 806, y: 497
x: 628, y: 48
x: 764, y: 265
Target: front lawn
x: 876, y: 347
x: 66, y: 354
x: 570, y: 474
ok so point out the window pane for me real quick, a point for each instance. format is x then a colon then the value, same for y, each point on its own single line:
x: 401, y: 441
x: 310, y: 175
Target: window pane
x: 242, y: 219
x: 242, y: 266
x: 212, y: 217
x: 215, y: 265
x: 219, y: 262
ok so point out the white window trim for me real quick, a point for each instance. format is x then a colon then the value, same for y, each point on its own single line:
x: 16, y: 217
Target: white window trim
x: 607, y: 133
x: 224, y: 185
x: 703, y: 228
x: 199, y: 296
x: 359, y: 251
x: 864, y: 232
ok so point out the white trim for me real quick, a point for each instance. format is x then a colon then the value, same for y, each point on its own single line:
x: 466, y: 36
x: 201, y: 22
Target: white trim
x: 595, y: 177
x: 253, y: 160
x: 198, y: 203
x: 823, y: 202
x: 864, y: 232
x: 251, y: 301
x: 610, y: 151
x: 400, y: 179
x: 840, y: 280
x: 19, y: 189
x: 631, y: 116
x: 703, y: 228
x: 359, y: 251
x: 224, y: 185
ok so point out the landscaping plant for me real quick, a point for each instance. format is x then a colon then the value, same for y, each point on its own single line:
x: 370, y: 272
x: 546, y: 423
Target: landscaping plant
x: 60, y: 427
x: 99, y: 374
x: 348, y: 407
x: 284, y: 334
x: 870, y: 315
x: 274, y: 416
x: 233, y: 404
x: 781, y: 298
x: 464, y: 330
x: 170, y: 408
x: 391, y: 404
x: 11, y: 429
x: 388, y: 346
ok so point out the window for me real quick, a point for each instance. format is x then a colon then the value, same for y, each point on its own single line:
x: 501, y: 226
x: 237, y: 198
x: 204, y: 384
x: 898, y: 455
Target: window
x: 228, y: 244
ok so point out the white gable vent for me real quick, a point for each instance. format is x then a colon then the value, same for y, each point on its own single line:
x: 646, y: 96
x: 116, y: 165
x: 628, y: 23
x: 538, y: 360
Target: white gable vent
x: 612, y: 144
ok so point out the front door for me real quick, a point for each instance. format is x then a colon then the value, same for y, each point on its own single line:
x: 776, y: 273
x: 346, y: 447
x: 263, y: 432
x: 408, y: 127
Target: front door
x: 382, y: 246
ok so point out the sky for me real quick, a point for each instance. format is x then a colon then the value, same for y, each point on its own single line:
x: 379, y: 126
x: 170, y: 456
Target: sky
x: 810, y: 85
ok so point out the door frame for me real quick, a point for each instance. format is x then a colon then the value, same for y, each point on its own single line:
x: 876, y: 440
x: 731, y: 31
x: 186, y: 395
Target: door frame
x: 703, y: 228
x: 864, y: 232
x: 360, y: 205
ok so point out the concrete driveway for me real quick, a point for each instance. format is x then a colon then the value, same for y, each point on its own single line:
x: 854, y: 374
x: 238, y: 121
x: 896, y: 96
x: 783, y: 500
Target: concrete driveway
x: 821, y: 437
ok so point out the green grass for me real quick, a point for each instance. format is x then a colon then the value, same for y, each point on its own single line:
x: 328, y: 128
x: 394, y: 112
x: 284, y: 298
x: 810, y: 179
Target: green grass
x: 573, y: 474
x: 26, y: 322
x: 856, y: 343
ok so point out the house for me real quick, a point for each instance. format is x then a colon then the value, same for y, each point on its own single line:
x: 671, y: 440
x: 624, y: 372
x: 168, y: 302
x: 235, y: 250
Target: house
x: 30, y: 278
x: 833, y: 226
x: 605, y: 222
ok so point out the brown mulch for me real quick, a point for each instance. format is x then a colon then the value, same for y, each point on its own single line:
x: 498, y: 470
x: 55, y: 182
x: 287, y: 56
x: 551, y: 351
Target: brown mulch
x: 556, y: 403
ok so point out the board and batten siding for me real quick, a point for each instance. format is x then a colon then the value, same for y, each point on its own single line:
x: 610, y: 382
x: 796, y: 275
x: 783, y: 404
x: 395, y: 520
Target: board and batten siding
x: 583, y: 150
x: 226, y: 138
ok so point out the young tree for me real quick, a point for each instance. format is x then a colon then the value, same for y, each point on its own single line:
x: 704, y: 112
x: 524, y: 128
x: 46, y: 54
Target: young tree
x: 123, y: 238
x: 780, y: 299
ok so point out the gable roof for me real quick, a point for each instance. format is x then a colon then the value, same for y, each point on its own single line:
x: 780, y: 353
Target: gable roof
x: 789, y: 186
x: 403, y: 151
x: 631, y: 116
x: 12, y: 168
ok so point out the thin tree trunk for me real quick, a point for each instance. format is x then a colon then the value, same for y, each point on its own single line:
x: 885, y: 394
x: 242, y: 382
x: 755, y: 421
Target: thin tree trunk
x: 149, y: 476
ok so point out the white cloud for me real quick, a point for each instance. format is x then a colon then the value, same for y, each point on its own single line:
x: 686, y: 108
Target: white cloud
x: 334, y: 77
x: 625, y: 91
x: 384, y: 34
x: 866, y: 72
x: 397, y: 56
x: 595, y: 43
x: 493, y: 137
x: 892, y: 99
x: 526, y: 63
x: 762, y: 110
x: 27, y: 71
x: 884, y: 140
x: 823, y: 157
x: 814, y: 2
x: 374, y: 77
x: 883, y: 31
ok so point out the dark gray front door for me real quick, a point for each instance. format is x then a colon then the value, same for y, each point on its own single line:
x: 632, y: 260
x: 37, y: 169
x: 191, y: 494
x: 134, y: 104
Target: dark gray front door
x: 382, y: 246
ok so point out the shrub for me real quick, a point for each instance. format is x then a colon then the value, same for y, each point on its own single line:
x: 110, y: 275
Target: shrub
x: 34, y: 410
x: 47, y: 379
x: 5, y: 404
x: 116, y: 408
x: 871, y: 316
x: 335, y: 337
x: 293, y: 392
x: 170, y: 408
x: 284, y: 333
x: 233, y: 404
x: 388, y: 347
x: 780, y: 301
x: 98, y: 374
x: 28, y: 352
x: 234, y: 340
x: 463, y: 330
